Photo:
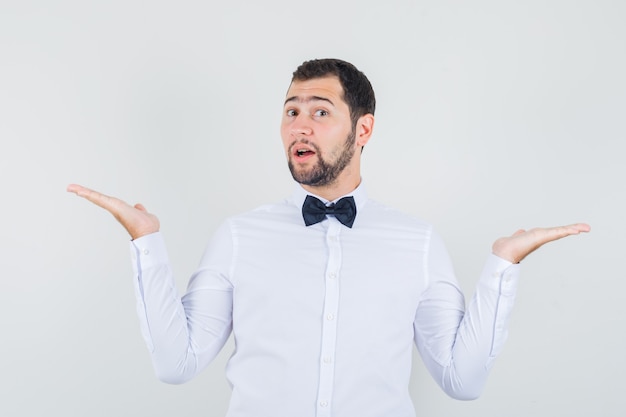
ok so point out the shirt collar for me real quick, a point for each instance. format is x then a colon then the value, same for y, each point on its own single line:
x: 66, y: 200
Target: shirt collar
x: 359, y: 194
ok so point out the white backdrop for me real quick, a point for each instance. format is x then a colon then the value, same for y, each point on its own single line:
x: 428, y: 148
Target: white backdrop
x: 492, y: 115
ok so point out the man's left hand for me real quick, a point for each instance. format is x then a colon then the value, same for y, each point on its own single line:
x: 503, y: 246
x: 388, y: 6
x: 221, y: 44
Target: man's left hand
x: 523, y: 242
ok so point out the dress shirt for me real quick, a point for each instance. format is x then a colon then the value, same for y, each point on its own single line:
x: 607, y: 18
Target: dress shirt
x: 323, y: 317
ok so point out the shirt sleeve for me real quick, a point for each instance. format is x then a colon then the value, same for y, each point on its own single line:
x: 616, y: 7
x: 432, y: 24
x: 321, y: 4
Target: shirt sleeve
x: 458, y: 345
x: 183, y: 334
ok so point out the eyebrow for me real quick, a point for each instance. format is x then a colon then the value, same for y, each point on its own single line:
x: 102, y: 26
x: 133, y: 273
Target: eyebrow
x: 308, y: 99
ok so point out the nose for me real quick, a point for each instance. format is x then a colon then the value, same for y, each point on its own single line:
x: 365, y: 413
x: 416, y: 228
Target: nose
x: 301, y: 126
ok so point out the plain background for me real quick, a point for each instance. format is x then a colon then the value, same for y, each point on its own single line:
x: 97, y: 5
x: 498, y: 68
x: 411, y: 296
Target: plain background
x: 492, y: 115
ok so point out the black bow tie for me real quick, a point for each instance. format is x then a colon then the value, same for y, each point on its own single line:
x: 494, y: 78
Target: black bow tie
x: 314, y: 210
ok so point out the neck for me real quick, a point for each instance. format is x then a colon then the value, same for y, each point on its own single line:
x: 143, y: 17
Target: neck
x: 335, y: 190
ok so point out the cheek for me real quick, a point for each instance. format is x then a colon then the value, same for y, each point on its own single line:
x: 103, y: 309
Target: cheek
x: 285, y: 138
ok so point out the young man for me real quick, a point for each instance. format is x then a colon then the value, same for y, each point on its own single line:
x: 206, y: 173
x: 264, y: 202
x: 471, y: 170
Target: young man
x: 326, y: 292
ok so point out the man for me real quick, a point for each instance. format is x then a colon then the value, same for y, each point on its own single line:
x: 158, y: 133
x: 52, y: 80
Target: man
x: 326, y: 292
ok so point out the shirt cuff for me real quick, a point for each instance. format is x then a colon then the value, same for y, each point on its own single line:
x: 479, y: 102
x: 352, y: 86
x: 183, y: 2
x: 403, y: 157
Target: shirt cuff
x: 500, y: 275
x: 148, y: 251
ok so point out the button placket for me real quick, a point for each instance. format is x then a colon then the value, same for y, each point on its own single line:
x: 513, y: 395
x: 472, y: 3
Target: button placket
x: 329, y: 322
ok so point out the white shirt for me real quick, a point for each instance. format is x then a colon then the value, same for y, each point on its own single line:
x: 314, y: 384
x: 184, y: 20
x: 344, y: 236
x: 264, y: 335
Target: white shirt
x: 324, y: 317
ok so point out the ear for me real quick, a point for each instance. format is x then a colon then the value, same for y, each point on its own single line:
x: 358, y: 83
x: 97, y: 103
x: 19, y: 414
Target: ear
x: 364, y: 129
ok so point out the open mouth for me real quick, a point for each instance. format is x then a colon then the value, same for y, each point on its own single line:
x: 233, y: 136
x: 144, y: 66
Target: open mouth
x: 303, y: 152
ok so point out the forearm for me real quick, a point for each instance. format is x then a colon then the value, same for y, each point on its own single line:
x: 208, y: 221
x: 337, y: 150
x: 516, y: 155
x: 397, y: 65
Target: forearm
x: 180, y: 342
x: 482, y: 331
x: 458, y: 344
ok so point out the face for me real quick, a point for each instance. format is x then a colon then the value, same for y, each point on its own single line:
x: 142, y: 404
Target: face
x: 317, y: 132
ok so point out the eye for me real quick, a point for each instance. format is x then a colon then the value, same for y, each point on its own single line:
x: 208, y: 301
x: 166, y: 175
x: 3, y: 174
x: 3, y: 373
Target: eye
x: 291, y: 113
x: 321, y: 112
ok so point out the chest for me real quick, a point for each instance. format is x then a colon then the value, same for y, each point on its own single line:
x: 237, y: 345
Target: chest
x: 370, y: 272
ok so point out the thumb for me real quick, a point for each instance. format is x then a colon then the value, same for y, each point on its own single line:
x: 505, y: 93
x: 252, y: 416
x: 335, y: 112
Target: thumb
x: 140, y: 207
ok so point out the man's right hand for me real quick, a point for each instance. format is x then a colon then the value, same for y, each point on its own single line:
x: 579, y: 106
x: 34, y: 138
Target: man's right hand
x: 135, y: 219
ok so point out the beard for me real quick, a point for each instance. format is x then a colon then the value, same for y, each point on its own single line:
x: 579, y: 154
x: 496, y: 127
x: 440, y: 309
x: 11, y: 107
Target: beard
x: 325, y: 172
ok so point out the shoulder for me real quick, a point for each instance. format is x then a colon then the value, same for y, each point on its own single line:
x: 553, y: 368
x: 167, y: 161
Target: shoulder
x: 378, y: 215
x: 267, y: 215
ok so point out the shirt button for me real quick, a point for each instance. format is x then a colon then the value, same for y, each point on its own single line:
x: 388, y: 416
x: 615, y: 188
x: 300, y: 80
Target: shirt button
x: 330, y: 317
x: 324, y: 403
x: 332, y: 275
x: 328, y: 359
x: 146, y: 252
x: 332, y: 238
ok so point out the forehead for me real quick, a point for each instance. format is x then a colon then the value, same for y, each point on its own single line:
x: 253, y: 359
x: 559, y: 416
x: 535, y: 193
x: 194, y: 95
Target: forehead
x: 326, y: 87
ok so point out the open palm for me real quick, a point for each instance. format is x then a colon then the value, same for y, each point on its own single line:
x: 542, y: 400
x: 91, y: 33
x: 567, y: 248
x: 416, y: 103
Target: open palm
x: 520, y: 244
x: 135, y: 219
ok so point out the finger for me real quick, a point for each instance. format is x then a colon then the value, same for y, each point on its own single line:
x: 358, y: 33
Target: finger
x: 555, y: 233
x: 140, y: 207
x: 580, y: 227
x: 573, y: 229
x: 79, y: 190
x: 74, y: 188
x: 108, y: 203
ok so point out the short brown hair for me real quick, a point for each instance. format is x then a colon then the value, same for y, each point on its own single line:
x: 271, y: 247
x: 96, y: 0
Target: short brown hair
x: 357, y: 90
